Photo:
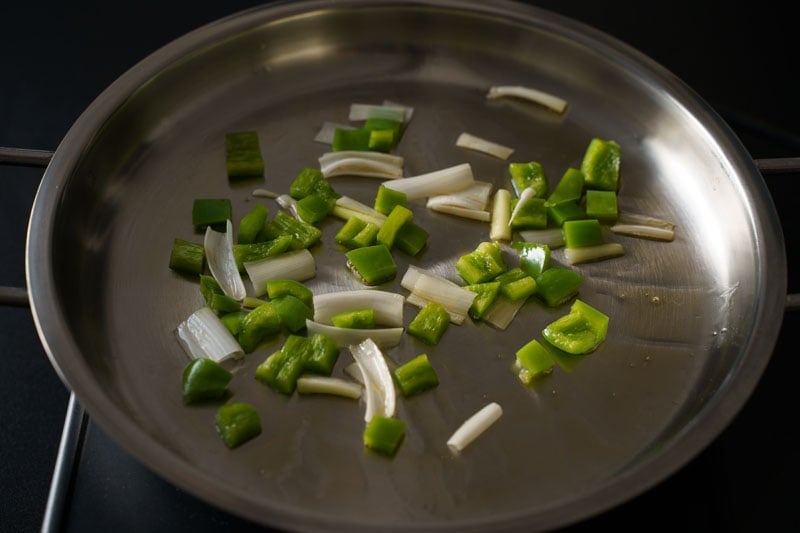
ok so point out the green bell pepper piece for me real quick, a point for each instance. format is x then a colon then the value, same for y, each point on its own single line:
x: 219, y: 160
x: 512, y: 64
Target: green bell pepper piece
x: 532, y: 215
x: 214, y: 212
x: 385, y: 124
x: 311, y: 181
x: 534, y: 258
x: 397, y: 218
x: 322, y: 354
x: 579, y: 233
x: 381, y: 140
x: 293, y: 312
x: 372, y: 264
x: 515, y: 284
x: 277, y: 288
x: 187, y: 257
x: 233, y: 321
x: 257, y: 325
x: 350, y: 139
x: 315, y: 207
x: 565, y: 211
x: 237, y: 423
x: 557, y: 284
x: 568, y: 189
x: 415, y: 376
x: 251, y: 224
x: 430, y: 323
x: 243, y: 155
x: 581, y: 331
x: 356, y: 233
x: 411, y: 238
x: 204, y: 379
x: 356, y: 319
x: 602, y: 205
x: 533, y: 360
x: 486, y: 295
x: 243, y: 253
x: 482, y: 264
x: 528, y: 175
x: 601, y: 164
x: 384, y: 435
x: 386, y: 199
x: 305, y: 235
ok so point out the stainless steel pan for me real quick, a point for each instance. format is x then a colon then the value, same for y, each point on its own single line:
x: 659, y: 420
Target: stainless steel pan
x: 693, y: 322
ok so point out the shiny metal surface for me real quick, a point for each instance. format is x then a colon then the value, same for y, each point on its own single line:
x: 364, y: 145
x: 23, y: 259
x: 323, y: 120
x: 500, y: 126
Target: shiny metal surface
x: 693, y: 322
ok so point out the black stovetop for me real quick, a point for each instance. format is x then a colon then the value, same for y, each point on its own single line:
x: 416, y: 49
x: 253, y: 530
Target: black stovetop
x: 58, y: 56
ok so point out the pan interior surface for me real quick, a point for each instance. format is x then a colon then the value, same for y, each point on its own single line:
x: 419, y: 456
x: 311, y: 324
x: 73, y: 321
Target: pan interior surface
x: 681, y: 355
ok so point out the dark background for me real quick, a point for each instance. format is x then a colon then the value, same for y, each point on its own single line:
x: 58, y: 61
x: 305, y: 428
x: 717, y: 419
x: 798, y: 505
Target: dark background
x: 58, y: 56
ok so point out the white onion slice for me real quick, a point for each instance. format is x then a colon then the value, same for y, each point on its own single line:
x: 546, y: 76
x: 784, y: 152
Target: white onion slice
x: 298, y: 265
x: 264, y: 193
x: 203, y: 335
x: 388, y: 306
x: 360, y: 112
x: 586, y: 254
x: 644, y: 226
x: 309, y: 384
x: 418, y: 301
x: 500, y: 230
x: 444, y: 181
x: 345, y: 213
x: 361, y: 163
x: 422, y: 284
x: 476, y: 196
x: 478, y: 144
x: 527, y: 93
x: 350, y: 203
x: 378, y: 383
x: 474, y: 426
x: 383, y: 337
x: 288, y: 203
x: 221, y: 263
x: 328, y: 130
x: 552, y: 237
x: 463, y: 212
x: 502, y: 312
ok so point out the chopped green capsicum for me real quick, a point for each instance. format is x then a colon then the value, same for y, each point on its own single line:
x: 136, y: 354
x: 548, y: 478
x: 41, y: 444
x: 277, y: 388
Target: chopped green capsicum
x: 251, y: 224
x: 533, y: 258
x: 533, y: 360
x: 557, y: 284
x: 586, y: 232
x: 205, y: 379
x: 237, y: 423
x: 293, y: 312
x: 372, y: 264
x: 212, y: 212
x: 397, y: 218
x: 243, y: 155
x: 187, y: 257
x: 602, y: 205
x: 601, y: 164
x: 281, y: 287
x: 482, y: 264
x: 568, y: 189
x: 515, y: 284
x: 579, y: 332
x: 384, y: 434
x: 387, y: 199
x: 356, y: 233
x: 486, y: 295
x: 356, y: 319
x: 411, y: 238
x: 243, y: 253
x: 430, y: 323
x: 257, y: 325
x: 416, y: 375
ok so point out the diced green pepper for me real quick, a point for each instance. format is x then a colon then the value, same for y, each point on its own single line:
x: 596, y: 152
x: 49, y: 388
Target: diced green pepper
x: 357, y: 233
x: 233, y: 321
x: 532, y: 215
x: 579, y: 233
x: 386, y: 199
x: 212, y: 212
x: 237, y: 423
x: 430, y: 323
x: 533, y: 360
x: 381, y: 140
x: 565, y: 211
x: 372, y: 264
x: 397, y: 218
x: 515, y: 284
x: 307, y: 182
x: 187, y: 257
x: 315, y: 207
x: 267, y: 371
x: 486, y: 295
x: 356, y: 319
x: 305, y: 235
x: 281, y: 369
x: 528, y: 175
x: 257, y: 325
x: 395, y: 126
x: 482, y: 264
x: 601, y: 164
x: 322, y: 356
x: 579, y: 332
x: 215, y: 297
x: 251, y: 224
x: 204, y: 379
x: 557, y: 284
x: 293, y: 312
x: 415, y: 376
x: 568, y: 189
x: 601, y: 205
x: 243, y: 155
x: 350, y: 139
x: 277, y: 288
x: 533, y: 258
x: 244, y: 253
x: 384, y: 435
x: 411, y: 238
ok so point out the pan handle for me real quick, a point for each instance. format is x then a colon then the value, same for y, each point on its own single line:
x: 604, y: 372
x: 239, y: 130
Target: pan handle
x: 782, y: 165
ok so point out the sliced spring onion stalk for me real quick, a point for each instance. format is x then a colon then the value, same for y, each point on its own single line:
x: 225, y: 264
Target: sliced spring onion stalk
x: 502, y: 312
x: 298, y: 265
x: 444, y: 181
x: 430, y: 287
x: 409, y: 111
x: 474, y: 426
x: 463, y: 212
x: 354, y: 372
x: 527, y: 93
x: 388, y: 306
x: 552, y: 237
x: 383, y: 337
x: 360, y: 112
x: 264, y: 193
x: 221, y: 263
x: 418, y: 301
x: 288, y: 203
x: 586, y: 254
x: 500, y: 229
x: 471, y: 142
x: 328, y: 130
x: 361, y: 163
x: 355, y: 205
x: 309, y: 384
x: 378, y: 383
x: 203, y: 335
x: 644, y: 226
x: 345, y: 213
x: 476, y: 196
x: 526, y: 195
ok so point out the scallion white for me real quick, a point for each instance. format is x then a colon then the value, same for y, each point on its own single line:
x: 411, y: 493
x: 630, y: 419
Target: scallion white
x: 586, y: 254
x: 502, y: 312
x: 478, y: 144
x: 528, y: 93
x: 500, y: 230
x: 474, y: 426
x: 387, y: 306
x: 476, y: 196
x: 444, y: 181
x: 298, y: 265
x: 219, y: 257
x: 310, y: 384
x: 361, y: 163
x: 203, y: 335
x: 359, y: 112
x: 378, y: 383
x: 383, y: 337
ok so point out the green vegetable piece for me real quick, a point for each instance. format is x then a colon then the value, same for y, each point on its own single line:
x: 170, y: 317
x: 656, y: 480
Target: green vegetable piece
x: 356, y: 319
x: 243, y: 155
x: 386, y: 199
x: 565, y: 211
x: 381, y: 140
x: 533, y: 360
x: 372, y: 264
x: 187, y: 257
x: 482, y: 264
x: 398, y: 217
x: 532, y: 214
x: 602, y: 205
x: 267, y: 371
x: 384, y: 435
x: 568, y: 189
x: 244, y: 253
x: 516, y: 284
x: 579, y: 233
x: 281, y: 369
x: 534, y: 258
x: 486, y: 295
x: 215, y: 297
x: 415, y: 376
x: 528, y: 175
x: 209, y: 287
x: 357, y: 233
x: 322, y: 355
x: 395, y: 126
x: 411, y: 238
x: 237, y: 423
x: 557, y: 284
x: 277, y: 288
x: 579, y: 332
x: 257, y: 325
x: 307, y: 182
x: 212, y: 212
x: 601, y: 164
x: 203, y: 380
x: 350, y: 139
x: 233, y: 321
x: 305, y: 235
x: 315, y: 207
x: 251, y: 224
x: 430, y: 323
x: 293, y: 312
